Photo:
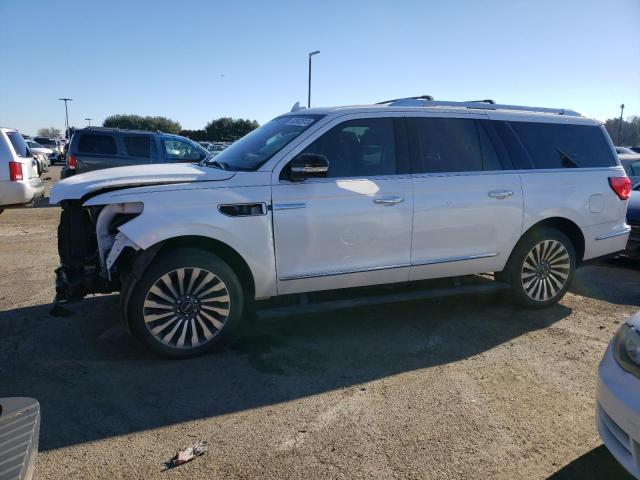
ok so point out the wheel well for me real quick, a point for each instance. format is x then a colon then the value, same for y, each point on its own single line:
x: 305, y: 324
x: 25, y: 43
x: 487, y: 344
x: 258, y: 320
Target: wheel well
x: 224, y: 251
x: 567, y: 227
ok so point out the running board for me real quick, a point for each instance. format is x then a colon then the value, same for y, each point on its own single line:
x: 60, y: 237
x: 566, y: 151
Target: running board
x: 306, y: 306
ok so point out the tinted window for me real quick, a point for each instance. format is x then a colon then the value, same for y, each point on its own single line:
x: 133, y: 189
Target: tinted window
x: 45, y: 141
x: 97, y: 144
x: 138, y: 146
x: 358, y: 148
x: 182, y: 151
x: 453, y: 145
x: 19, y: 145
x: 555, y: 145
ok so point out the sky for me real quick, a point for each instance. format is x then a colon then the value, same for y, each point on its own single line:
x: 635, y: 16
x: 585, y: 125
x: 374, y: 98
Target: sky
x: 195, y: 60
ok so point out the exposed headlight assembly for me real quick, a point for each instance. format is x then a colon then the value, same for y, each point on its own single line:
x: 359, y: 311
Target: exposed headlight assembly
x: 626, y: 349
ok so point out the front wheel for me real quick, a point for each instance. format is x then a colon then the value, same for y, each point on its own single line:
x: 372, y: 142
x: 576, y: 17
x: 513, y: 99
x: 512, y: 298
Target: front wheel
x: 541, y: 268
x: 188, y: 302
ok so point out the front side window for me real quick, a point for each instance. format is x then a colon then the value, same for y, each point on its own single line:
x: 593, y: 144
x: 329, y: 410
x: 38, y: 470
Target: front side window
x: 358, y: 148
x: 97, y: 145
x: 19, y: 145
x: 448, y: 145
x: 182, y: 151
x: 558, y: 145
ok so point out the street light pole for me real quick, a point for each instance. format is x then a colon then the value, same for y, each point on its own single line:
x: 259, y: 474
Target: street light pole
x: 620, y: 124
x: 309, y: 91
x: 66, y: 116
x: 89, y: 120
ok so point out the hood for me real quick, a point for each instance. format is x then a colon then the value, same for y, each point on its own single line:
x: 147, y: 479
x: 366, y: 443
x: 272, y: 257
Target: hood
x: 78, y: 186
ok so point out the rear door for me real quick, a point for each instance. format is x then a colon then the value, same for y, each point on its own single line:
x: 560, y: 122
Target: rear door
x: 468, y: 207
x: 139, y: 148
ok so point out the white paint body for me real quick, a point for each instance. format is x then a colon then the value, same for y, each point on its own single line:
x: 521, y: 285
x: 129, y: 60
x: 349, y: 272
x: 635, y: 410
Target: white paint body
x: 618, y: 409
x: 334, y: 233
x: 22, y: 191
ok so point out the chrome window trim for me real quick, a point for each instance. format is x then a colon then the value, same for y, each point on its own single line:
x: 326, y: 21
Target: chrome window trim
x: 288, y: 206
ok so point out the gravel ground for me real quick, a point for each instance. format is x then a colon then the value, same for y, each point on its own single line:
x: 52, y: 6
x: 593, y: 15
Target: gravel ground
x: 468, y: 387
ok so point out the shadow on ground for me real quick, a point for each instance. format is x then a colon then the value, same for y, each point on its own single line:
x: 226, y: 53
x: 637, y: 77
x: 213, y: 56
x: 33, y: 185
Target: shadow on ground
x: 595, y: 281
x: 598, y: 464
x: 94, y: 381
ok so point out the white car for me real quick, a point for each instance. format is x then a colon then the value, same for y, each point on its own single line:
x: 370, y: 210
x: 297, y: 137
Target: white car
x: 43, y: 154
x: 618, y: 396
x: 19, y: 180
x: 332, y: 198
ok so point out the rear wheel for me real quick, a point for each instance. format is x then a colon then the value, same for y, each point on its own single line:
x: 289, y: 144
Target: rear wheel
x: 187, y: 303
x: 541, y: 268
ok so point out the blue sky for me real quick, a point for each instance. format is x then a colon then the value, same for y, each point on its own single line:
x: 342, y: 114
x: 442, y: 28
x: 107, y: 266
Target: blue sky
x: 194, y: 61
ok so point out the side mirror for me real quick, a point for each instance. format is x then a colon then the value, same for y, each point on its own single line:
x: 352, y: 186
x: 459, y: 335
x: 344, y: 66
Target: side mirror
x: 307, y: 165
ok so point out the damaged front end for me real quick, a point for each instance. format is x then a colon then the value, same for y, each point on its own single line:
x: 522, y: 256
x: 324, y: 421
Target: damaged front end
x: 91, y: 248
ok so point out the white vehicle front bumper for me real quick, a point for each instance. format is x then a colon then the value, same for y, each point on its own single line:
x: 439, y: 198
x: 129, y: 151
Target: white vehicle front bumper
x: 618, y: 412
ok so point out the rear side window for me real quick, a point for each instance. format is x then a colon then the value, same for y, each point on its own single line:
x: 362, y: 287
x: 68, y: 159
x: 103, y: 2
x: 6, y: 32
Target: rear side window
x: 556, y: 145
x: 138, y: 146
x: 19, y: 145
x: 453, y: 145
x: 97, y: 144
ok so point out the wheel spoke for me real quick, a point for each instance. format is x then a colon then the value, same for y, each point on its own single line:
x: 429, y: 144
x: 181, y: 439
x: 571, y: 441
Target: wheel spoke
x: 181, y: 281
x: 207, y: 333
x: 159, y: 293
x: 183, y: 335
x: 214, y: 321
x: 195, y: 272
x: 215, y: 288
x: 204, y: 282
x: 152, y: 317
x: 169, y: 335
x: 218, y: 310
x: 152, y: 304
x: 194, y: 334
x: 167, y: 282
x: 159, y: 328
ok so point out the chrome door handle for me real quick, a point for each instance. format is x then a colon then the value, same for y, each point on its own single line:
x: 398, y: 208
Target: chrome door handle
x: 392, y: 200
x: 501, y: 194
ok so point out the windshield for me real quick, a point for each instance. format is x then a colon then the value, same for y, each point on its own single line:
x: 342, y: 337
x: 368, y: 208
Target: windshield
x: 254, y: 149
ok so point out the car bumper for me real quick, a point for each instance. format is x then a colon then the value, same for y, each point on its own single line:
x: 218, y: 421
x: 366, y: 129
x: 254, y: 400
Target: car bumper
x: 21, y: 193
x: 19, y: 433
x: 66, y: 173
x: 618, y: 412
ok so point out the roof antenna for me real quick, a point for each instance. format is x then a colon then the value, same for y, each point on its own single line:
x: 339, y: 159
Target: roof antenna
x: 297, y: 107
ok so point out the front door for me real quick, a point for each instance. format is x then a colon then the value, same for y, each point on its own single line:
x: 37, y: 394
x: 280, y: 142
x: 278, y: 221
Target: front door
x: 468, y: 210
x: 353, y: 227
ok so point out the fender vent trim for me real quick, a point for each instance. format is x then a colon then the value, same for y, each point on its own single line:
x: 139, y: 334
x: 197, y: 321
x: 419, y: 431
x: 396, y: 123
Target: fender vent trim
x: 243, y: 209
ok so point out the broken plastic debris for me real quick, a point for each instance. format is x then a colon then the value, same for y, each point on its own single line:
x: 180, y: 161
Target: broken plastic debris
x: 188, y: 454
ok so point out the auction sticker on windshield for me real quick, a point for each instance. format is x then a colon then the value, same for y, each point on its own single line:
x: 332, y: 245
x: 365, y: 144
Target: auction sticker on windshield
x: 300, y: 121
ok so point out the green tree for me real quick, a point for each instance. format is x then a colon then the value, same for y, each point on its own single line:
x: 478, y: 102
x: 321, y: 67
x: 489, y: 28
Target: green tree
x: 195, y: 135
x: 630, y: 131
x: 137, y: 122
x: 227, y: 129
x: 50, y: 132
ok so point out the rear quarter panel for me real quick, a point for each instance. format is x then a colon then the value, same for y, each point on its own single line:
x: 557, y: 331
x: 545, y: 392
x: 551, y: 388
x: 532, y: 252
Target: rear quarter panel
x: 580, y: 195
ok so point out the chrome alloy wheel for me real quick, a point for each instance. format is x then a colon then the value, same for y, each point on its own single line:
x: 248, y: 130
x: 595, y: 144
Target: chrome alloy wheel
x: 187, y: 307
x: 545, y: 270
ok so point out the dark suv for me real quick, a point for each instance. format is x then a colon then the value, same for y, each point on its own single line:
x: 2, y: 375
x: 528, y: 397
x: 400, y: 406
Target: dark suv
x: 95, y: 148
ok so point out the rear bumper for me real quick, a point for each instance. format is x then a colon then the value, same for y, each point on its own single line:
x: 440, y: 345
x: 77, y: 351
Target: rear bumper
x: 66, y: 173
x: 19, y: 434
x: 20, y: 193
x: 633, y: 245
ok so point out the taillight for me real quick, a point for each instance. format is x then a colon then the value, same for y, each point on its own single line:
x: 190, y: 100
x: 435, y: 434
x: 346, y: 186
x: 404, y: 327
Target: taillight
x: 71, y: 162
x: 15, y: 171
x: 622, y: 187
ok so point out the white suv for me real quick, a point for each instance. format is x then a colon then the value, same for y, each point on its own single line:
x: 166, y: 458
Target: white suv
x: 330, y: 198
x: 20, y: 183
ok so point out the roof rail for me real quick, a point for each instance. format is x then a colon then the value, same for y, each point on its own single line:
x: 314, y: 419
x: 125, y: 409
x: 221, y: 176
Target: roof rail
x: 421, y: 97
x: 479, y: 105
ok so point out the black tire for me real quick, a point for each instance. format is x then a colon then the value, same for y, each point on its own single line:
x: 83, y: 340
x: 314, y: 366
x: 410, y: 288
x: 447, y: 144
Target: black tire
x: 187, y: 271
x: 541, y: 268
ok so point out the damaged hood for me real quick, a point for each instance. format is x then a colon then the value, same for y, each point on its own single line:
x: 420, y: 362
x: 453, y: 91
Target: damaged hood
x: 78, y: 186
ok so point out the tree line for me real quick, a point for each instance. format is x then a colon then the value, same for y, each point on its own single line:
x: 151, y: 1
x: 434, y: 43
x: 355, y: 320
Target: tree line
x: 228, y: 129
x: 629, y: 133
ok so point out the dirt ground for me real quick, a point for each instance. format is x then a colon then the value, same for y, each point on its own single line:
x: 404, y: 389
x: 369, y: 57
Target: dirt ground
x: 467, y: 387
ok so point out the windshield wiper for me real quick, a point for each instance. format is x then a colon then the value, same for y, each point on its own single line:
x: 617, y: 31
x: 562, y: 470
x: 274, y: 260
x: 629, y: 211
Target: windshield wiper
x: 216, y: 164
x: 567, y: 162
